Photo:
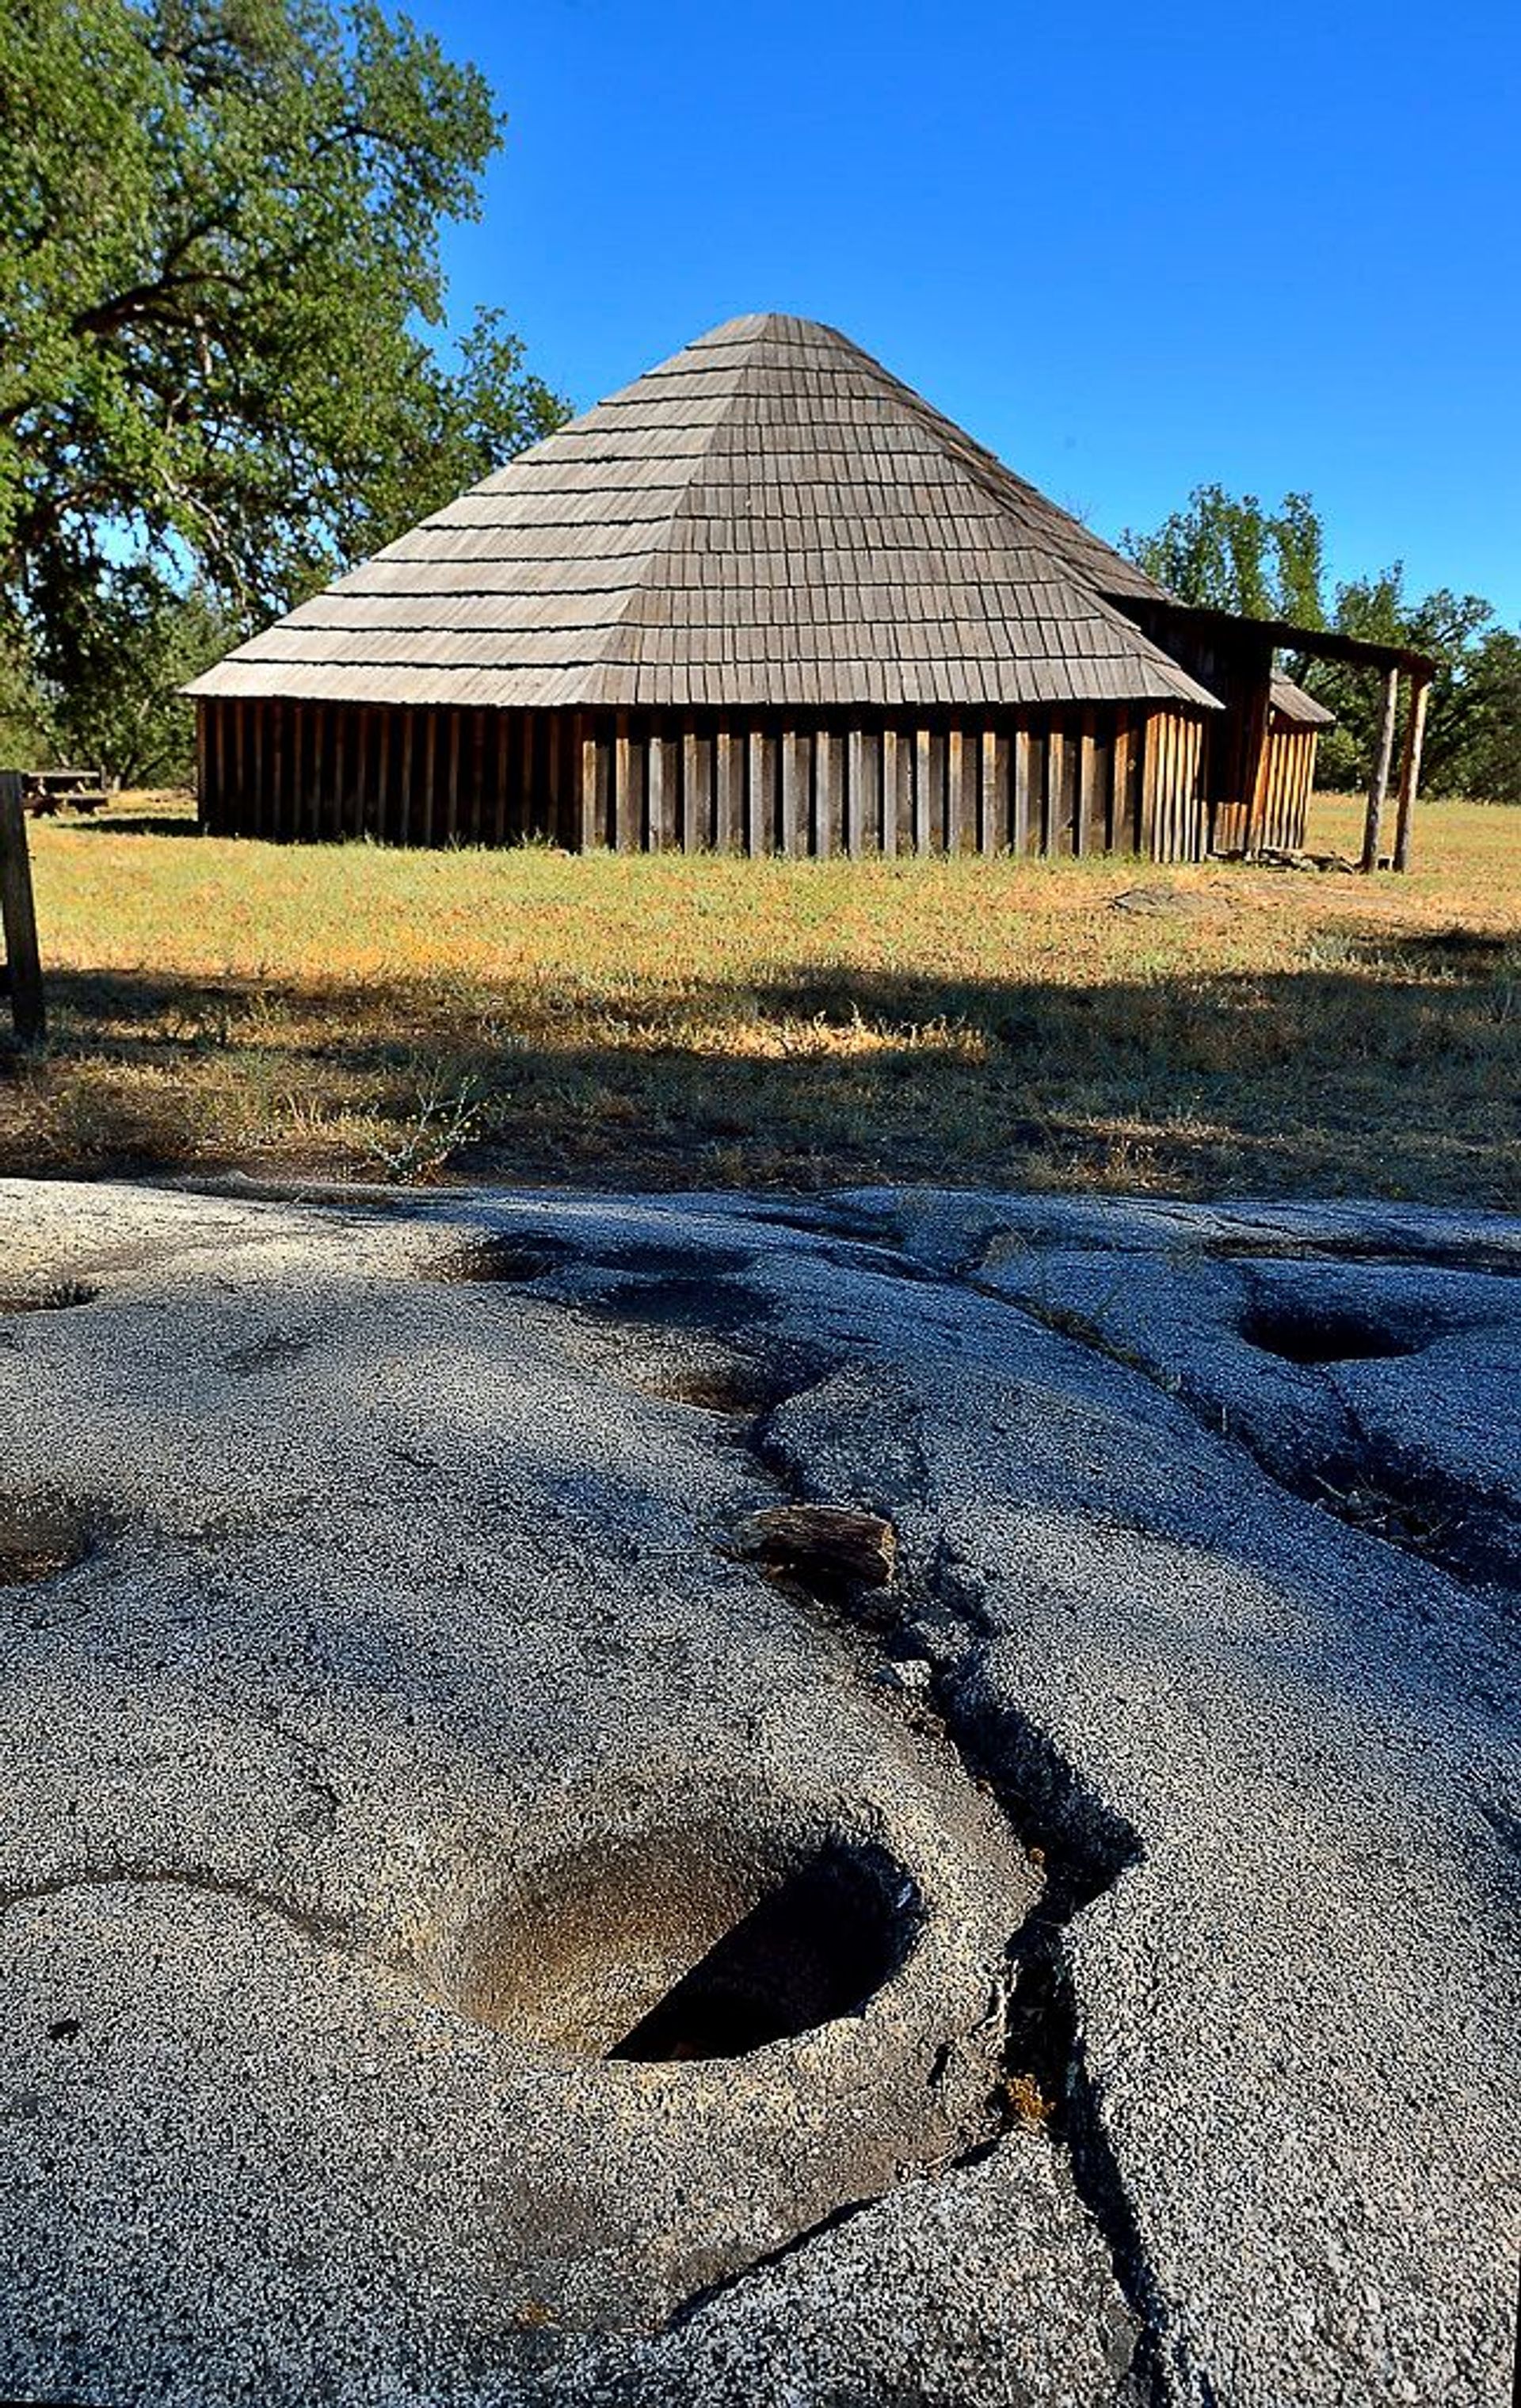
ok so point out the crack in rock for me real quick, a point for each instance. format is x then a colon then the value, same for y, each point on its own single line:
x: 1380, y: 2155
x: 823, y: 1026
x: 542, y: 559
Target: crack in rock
x: 1081, y: 1847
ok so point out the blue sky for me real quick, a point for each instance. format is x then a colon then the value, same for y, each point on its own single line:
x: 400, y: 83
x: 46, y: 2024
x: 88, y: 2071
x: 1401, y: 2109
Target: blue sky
x: 1133, y: 249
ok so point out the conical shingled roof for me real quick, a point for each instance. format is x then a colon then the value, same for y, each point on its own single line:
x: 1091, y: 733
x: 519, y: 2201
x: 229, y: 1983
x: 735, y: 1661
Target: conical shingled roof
x: 769, y: 519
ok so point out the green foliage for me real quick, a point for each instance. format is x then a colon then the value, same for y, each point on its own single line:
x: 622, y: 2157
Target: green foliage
x: 1490, y: 764
x: 142, y: 641
x: 220, y: 297
x: 1450, y: 628
x: 1225, y: 553
x: 26, y: 718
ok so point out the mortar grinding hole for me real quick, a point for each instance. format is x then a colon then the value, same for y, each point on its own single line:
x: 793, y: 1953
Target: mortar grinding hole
x: 693, y: 1944
x: 814, y: 1949
x: 56, y: 1298
x: 507, y: 1261
x: 39, y: 1537
x: 1307, y: 1335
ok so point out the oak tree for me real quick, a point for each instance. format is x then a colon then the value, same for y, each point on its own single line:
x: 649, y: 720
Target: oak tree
x: 225, y: 371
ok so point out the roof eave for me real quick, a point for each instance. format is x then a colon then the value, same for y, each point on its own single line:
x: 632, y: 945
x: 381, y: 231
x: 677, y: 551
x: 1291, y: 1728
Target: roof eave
x: 1283, y: 635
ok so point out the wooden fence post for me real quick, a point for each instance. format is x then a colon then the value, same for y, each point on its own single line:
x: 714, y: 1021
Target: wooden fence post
x: 1379, y: 786
x: 18, y: 916
x: 1409, y: 768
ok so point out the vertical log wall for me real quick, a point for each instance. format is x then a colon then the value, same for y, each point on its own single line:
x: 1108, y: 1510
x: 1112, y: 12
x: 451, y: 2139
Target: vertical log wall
x: 1288, y: 778
x: 1102, y: 778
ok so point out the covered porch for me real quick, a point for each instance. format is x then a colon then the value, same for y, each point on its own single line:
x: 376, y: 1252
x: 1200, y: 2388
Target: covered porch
x: 1235, y: 658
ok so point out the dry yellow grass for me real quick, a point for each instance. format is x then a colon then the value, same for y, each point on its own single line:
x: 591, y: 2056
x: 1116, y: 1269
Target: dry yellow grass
x: 656, y: 1020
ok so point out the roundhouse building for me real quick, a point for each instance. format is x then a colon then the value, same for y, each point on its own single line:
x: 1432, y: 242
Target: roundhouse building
x: 763, y: 599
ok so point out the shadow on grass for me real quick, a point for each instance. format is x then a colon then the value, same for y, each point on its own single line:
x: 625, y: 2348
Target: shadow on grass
x: 137, y: 824
x: 1393, y: 1072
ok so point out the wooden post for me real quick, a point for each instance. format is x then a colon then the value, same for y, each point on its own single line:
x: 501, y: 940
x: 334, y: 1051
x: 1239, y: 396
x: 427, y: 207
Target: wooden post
x: 1379, y: 785
x: 1410, y: 766
x: 24, y: 965
x: 1256, y: 745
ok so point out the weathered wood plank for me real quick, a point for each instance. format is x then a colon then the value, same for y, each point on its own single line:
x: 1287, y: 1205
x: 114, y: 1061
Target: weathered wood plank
x: 992, y: 800
x: 1051, y: 785
x: 340, y: 772
x: 1086, y: 779
x: 407, y: 736
x: 761, y: 793
x: 450, y: 747
x: 696, y: 789
x: 729, y: 798
x: 261, y: 791
x: 855, y: 793
x: 1121, y: 831
x: 796, y: 749
x: 593, y: 783
x: 662, y: 798
x: 1165, y: 784
x: 892, y: 758
x: 19, y: 919
x: 1019, y: 823
x: 475, y: 816
x: 1253, y: 719
x: 628, y: 785
x: 936, y: 808
x: 309, y: 771
x: 870, y: 807
x: 236, y: 789
x: 384, y: 830
x: 361, y: 822
x: 501, y: 747
x: 955, y: 790
x: 905, y: 791
x: 214, y: 803
x: 829, y: 793
x: 1149, y: 740
x: 921, y: 790
x: 423, y: 801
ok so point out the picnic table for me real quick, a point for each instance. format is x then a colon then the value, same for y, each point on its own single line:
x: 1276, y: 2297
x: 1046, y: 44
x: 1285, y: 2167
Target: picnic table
x: 44, y: 791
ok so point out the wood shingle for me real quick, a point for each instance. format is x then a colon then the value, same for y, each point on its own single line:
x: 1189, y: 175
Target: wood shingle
x: 767, y: 519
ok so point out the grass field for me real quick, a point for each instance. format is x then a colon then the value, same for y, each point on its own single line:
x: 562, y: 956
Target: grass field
x: 655, y: 1022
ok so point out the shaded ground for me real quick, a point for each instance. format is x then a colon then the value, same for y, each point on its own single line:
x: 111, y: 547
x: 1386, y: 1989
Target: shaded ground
x: 666, y: 1022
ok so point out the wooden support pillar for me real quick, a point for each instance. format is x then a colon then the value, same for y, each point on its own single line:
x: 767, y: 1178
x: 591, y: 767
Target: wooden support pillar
x: 1257, y: 718
x: 18, y: 915
x: 1379, y: 786
x: 1410, y: 766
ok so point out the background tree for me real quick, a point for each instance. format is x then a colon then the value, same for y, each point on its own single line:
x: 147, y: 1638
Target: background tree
x: 141, y: 641
x: 221, y: 314
x: 1230, y: 553
x: 1490, y: 762
x: 1227, y: 552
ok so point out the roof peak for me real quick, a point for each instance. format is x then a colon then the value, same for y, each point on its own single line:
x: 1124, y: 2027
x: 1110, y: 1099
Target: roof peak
x: 768, y: 517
